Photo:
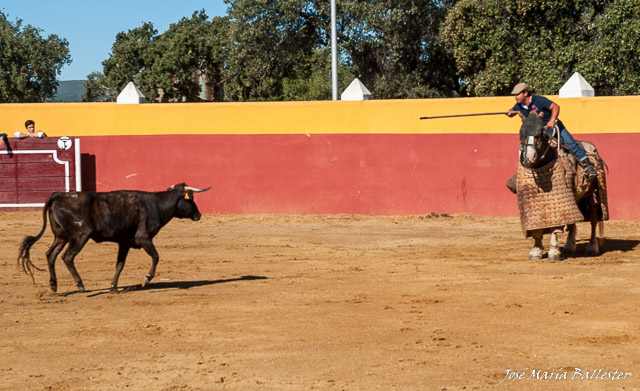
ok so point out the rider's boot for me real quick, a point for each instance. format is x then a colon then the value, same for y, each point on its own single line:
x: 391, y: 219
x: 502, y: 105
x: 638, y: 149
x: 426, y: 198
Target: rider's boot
x: 590, y: 174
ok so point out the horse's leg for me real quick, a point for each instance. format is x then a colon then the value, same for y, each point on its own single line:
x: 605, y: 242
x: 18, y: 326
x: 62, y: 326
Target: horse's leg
x: 554, y: 251
x: 593, y: 248
x: 537, y: 250
x: 570, y: 245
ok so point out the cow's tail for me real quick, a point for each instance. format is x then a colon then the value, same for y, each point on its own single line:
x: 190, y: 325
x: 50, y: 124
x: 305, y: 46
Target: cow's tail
x: 24, y: 259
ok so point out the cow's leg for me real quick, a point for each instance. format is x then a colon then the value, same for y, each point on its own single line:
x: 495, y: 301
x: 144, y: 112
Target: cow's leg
x: 57, y: 246
x: 123, y: 251
x: 554, y: 251
x: 570, y: 245
x: 537, y: 250
x: 151, y: 250
x: 75, y: 245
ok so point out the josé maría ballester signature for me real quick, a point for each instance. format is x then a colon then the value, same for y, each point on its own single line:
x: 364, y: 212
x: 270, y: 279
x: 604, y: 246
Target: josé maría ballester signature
x: 562, y: 374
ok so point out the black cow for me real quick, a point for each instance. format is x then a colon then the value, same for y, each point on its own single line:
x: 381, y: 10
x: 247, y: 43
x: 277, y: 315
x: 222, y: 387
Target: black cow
x: 129, y: 218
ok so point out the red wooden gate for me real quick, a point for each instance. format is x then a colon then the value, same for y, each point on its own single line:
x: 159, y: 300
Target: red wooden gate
x: 31, y: 169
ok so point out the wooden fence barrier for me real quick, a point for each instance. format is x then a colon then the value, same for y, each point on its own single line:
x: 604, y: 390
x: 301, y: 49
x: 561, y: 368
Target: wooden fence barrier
x: 31, y: 169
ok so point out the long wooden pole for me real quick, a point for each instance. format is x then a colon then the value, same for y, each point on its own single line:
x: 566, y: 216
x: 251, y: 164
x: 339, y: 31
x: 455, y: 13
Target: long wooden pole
x: 464, y: 115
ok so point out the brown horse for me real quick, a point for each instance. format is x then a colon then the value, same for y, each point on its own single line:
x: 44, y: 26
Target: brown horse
x: 552, y: 192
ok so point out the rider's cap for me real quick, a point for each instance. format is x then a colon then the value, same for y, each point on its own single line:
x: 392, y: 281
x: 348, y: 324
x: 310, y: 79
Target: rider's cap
x: 519, y: 88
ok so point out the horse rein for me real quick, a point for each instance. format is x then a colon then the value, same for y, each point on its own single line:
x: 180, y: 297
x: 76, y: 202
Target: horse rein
x: 531, y: 143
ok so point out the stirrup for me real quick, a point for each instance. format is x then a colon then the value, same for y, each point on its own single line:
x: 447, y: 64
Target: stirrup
x: 590, y: 174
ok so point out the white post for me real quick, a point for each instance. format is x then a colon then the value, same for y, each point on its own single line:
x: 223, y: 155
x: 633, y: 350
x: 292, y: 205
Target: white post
x: 334, y: 51
x: 576, y: 87
x: 78, y: 157
x: 130, y: 95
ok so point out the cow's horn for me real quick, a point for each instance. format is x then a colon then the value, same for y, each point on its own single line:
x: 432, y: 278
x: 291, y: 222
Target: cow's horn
x: 195, y: 189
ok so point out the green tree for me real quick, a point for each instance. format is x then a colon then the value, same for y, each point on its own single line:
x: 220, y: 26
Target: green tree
x: 498, y: 43
x: 168, y: 67
x: 132, y: 58
x: 269, y: 41
x: 191, y: 53
x: 97, y: 89
x: 313, y: 81
x: 612, y: 63
x: 280, y: 48
x: 393, y: 47
x: 29, y: 63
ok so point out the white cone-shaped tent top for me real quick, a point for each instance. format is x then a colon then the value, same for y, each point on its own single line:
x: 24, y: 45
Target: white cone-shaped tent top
x: 356, y: 91
x: 576, y: 87
x: 131, y: 95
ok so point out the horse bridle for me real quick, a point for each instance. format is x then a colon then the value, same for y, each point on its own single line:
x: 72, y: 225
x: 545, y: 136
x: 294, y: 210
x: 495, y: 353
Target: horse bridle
x: 530, y: 146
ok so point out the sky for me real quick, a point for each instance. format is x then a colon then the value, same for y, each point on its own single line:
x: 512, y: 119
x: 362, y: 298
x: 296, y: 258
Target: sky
x: 91, y: 26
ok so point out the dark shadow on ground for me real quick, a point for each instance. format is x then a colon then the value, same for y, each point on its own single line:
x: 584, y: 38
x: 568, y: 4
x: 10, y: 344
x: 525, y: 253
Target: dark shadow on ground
x: 165, y: 285
x: 610, y: 245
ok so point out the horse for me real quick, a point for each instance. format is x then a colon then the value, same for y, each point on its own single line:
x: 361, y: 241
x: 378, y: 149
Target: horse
x: 553, y: 193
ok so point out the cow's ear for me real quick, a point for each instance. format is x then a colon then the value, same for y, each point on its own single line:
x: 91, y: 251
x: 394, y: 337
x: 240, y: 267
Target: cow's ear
x: 186, y: 196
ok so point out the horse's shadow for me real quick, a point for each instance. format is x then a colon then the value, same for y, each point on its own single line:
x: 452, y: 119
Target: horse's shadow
x: 152, y: 286
x: 610, y: 245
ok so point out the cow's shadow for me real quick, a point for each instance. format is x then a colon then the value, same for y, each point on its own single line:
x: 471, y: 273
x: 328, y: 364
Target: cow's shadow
x: 153, y: 286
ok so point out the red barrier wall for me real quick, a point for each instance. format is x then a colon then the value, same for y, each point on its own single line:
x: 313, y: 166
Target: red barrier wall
x: 342, y: 173
x: 370, y: 157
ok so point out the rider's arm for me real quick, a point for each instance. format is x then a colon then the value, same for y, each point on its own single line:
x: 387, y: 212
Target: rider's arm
x: 555, y: 111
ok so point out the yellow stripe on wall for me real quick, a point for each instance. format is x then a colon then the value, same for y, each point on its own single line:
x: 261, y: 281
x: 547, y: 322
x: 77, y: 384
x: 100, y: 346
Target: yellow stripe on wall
x: 580, y: 115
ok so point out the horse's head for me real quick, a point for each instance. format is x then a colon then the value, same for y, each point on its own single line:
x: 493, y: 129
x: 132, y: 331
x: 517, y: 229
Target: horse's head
x: 533, y: 142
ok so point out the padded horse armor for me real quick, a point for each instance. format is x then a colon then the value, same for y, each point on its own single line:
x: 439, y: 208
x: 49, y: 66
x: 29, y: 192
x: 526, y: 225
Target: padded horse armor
x: 548, y: 195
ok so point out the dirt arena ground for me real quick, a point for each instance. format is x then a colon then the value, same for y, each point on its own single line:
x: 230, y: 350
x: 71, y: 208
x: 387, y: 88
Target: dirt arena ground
x: 326, y: 303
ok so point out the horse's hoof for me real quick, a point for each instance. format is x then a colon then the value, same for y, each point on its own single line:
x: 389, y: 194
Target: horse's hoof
x: 554, y: 255
x: 80, y: 289
x: 53, y: 286
x: 113, y: 290
x: 591, y: 252
x: 535, y: 253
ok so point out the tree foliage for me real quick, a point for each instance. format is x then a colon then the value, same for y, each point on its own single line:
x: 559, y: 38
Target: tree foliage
x: 498, y: 43
x: 29, y: 63
x: 612, y: 65
x: 394, y: 49
x: 280, y: 50
x: 166, y: 67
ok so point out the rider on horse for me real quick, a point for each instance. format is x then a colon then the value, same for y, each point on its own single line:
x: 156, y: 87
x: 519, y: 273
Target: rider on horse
x: 527, y: 102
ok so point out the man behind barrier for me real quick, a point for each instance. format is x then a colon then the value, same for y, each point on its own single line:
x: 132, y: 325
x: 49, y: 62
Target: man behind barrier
x: 30, y: 126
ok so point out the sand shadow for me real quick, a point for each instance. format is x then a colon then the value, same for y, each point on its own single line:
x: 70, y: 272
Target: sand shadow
x: 610, y: 245
x: 155, y: 286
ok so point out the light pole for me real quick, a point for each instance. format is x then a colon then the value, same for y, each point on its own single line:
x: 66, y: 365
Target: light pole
x: 334, y: 51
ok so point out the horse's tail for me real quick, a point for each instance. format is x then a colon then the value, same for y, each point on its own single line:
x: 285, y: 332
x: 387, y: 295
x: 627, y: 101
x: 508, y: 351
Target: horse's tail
x: 24, y: 258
